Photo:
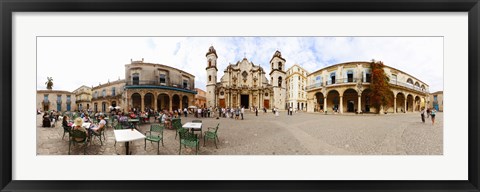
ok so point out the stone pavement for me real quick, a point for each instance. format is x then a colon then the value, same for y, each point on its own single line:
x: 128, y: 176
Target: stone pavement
x: 300, y: 134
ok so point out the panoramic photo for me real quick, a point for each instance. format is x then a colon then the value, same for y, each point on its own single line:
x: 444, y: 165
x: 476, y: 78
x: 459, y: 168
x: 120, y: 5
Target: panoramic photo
x: 239, y: 96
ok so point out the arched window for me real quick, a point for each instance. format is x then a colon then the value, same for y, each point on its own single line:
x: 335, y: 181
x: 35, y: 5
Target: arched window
x: 280, y: 81
x: 410, y: 81
x: 280, y: 66
x: 113, y: 91
x: 104, y: 92
x: 209, y: 63
x: 209, y: 78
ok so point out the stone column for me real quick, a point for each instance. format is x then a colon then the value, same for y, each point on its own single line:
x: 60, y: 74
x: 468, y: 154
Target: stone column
x: 394, y: 104
x: 170, y: 103
x: 142, y: 101
x: 359, y: 110
x: 325, y: 104
x: 181, y: 102
x: 405, y: 106
x: 154, y: 103
x: 341, y: 104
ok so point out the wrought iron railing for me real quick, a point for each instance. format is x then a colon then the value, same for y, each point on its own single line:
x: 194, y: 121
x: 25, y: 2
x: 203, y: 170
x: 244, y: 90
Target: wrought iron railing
x: 409, y: 86
x: 158, y: 83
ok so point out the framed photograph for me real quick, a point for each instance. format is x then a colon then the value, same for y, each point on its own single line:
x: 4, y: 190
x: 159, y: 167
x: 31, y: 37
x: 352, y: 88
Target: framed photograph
x: 265, y: 95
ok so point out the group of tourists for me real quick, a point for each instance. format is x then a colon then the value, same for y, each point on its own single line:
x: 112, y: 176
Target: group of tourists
x: 234, y: 112
x: 427, y: 112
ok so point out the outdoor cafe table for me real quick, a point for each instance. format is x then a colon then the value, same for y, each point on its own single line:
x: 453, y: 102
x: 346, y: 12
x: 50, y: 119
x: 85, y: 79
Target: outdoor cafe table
x: 134, y: 122
x: 192, y: 126
x: 127, y: 135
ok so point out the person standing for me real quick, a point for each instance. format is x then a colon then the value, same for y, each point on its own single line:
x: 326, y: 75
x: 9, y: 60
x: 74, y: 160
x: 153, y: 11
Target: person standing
x: 433, y: 115
x: 422, y: 114
x: 185, y: 112
x: 242, y: 111
x: 256, y: 111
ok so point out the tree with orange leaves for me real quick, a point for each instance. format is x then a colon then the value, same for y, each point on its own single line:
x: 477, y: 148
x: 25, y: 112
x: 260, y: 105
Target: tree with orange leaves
x: 380, y: 95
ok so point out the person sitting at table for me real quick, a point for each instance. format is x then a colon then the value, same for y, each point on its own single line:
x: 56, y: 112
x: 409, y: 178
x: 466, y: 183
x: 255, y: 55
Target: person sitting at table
x: 86, y: 119
x: 100, y: 125
x: 78, y: 126
x: 46, y: 120
x: 168, y: 120
x: 65, y: 122
x: 132, y: 115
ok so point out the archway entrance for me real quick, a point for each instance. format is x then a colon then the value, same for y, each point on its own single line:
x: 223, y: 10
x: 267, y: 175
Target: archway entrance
x: 175, y: 102
x: 148, y: 101
x: 333, y: 100
x: 319, y: 107
x: 244, y: 101
x: 351, y: 106
x: 350, y: 98
x: 417, y: 103
x: 410, y: 103
x: 136, y: 100
x: 366, y: 103
x: 163, y: 102
x: 400, y: 103
x: 185, y: 102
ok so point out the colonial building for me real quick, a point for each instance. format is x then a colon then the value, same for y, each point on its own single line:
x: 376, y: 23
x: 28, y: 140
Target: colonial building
x: 244, y: 83
x: 58, y: 100
x: 436, y: 99
x: 83, y: 97
x: 344, y: 87
x: 108, y: 96
x: 296, y: 86
x: 157, y: 86
x: 200, y: 98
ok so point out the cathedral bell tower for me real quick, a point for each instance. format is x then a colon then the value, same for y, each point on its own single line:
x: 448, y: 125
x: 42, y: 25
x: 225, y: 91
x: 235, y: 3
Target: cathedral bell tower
x: 211, y: 76
x: 278, y: 74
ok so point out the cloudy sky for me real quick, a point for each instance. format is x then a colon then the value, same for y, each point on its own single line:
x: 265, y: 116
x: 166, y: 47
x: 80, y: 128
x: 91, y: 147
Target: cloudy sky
x: 77, y: 61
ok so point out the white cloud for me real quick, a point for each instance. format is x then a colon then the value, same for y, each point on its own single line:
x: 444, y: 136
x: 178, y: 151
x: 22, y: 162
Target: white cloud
x: 76, y: 61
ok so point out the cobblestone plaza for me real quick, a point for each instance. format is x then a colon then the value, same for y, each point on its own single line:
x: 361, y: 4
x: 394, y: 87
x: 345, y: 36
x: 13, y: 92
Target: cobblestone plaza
x: 300, y: 134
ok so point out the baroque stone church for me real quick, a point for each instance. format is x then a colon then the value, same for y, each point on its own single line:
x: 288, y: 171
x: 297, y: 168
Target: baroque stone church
x: 244, y: 83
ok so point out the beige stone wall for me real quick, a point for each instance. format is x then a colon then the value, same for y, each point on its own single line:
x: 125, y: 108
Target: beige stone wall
x: 439, y: 101
x: 83, y: 97
x: 296, y: 85
x: 53, y: 98
x: 200, y: 98
x: 149, y: 73
x: 408, y: 93
x: 104, y: 94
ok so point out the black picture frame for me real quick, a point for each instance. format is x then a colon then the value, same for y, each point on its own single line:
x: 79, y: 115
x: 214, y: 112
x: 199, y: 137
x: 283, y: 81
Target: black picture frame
x: 8, y: 7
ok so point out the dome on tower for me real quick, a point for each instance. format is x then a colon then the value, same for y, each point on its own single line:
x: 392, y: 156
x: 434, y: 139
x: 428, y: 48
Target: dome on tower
x: 211, y: 50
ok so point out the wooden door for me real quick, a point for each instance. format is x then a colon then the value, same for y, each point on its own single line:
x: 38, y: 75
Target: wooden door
x: 266, y: 104
x: 222, y: 103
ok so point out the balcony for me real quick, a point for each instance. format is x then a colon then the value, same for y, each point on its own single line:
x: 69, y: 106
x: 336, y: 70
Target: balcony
x: 82, y: 100
x: 157, y: 84
x: 409, y: 86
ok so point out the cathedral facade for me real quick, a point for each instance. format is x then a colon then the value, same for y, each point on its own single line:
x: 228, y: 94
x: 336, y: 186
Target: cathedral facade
x: 244, y: 84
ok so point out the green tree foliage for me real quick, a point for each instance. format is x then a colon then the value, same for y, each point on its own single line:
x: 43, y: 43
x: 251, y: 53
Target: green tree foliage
x: 380, y: 95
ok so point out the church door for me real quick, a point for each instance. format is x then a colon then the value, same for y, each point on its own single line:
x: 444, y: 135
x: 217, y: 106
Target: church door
x: 266, y: 104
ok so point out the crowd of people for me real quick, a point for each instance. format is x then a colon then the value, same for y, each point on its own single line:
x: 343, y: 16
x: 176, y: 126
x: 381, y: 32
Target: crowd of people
x: 428, y: 112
